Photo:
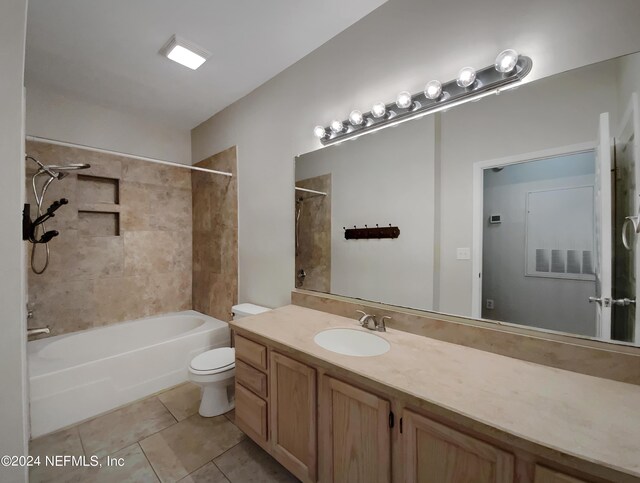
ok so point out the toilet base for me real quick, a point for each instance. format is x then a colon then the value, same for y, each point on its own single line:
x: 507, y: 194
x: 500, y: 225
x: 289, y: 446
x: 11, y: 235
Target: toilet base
x: 216, y: 399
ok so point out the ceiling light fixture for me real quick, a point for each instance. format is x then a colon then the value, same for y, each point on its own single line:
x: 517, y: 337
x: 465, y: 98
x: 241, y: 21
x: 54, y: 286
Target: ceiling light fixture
x: 507, y: 72
x: 184, y: 52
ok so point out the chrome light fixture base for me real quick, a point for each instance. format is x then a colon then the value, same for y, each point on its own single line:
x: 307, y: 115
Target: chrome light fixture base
x: 488, y: 81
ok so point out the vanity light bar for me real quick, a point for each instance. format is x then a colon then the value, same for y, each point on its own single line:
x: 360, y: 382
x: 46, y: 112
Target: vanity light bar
x: 509, y: 69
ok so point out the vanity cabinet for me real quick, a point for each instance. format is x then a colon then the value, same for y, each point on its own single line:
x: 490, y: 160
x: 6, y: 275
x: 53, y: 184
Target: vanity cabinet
x: 355, y: 434
x: 293, y: 415
x: 434, y: 453
x: 325, y: 426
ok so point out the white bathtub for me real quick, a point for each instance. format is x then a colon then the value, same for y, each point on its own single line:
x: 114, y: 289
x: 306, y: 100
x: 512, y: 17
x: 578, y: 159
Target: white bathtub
x: 79, y: 375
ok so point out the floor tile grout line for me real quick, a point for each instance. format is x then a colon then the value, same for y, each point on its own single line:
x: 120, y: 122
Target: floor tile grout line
x: 220, y: 469
x: 149, y: 461
x: 84, y: 451
x: 170, y: 412
x: 244, y: 438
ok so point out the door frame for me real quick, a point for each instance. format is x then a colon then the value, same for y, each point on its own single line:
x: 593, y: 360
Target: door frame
x: 478, y: 206
x: 632, y: 115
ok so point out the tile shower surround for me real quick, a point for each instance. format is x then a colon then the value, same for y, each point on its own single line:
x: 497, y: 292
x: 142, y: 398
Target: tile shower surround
x: 95, y: 278
x: 314, y: 234
x: 215, y: 236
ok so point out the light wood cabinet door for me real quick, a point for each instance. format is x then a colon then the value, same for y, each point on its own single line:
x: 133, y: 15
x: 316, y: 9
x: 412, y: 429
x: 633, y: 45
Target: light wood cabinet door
x: 355, y: 437
x: 292, y: 389
x: 434, y: 453
x: 546, y: 475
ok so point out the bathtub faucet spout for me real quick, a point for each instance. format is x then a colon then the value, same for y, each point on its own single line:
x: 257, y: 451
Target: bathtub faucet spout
x: 38, y: 331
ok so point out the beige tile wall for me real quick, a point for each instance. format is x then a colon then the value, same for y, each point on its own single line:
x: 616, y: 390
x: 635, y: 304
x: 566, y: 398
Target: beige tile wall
x: 313, y: 252
x: 95, y: 280
x: 215, y: 236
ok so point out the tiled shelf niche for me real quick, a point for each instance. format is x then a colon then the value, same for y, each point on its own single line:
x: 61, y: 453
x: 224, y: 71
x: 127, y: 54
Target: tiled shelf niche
x: 98, y: 206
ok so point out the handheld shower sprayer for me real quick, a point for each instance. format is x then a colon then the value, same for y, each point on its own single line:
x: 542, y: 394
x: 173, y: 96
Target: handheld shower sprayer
x: 31, y: 228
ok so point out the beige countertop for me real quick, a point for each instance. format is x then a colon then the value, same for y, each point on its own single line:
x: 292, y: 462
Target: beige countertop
x: 595, y: 420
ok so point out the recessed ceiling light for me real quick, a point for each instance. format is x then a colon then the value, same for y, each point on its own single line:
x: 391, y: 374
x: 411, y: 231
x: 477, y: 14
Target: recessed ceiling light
x: 184, y: 52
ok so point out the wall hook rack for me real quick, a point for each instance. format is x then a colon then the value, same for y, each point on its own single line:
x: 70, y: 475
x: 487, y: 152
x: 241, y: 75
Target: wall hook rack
x: 378, y: 232
x: 29, y: 227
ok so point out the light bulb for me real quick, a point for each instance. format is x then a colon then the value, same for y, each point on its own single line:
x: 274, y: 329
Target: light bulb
x: 466, y: 77
x: 404, y: 101
x: 336, y: 126
x: 355, y: 118
x: 378, y: 110
x: 506, y: 61
x: 319, y: 132
x: 433, y: 90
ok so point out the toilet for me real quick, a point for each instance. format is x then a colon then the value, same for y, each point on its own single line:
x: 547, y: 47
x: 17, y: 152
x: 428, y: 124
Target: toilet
x: 214, y: 371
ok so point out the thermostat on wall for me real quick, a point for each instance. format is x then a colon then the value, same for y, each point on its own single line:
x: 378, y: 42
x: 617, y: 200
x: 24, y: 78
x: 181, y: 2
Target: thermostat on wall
x: 495, y: 219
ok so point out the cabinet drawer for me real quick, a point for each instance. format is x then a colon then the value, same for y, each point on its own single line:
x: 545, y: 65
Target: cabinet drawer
x: 251, y: 352
x: 251, y: 378
x: 251, y: 413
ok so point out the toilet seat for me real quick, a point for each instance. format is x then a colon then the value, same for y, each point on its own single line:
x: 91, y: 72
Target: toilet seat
x: 214, y: 361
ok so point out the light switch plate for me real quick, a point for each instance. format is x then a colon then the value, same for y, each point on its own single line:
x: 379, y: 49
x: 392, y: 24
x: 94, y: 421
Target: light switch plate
x: 464, y: 254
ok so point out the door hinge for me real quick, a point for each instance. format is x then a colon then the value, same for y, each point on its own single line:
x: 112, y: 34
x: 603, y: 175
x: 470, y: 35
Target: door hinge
x: 391, y: 419
x: 400, y: 425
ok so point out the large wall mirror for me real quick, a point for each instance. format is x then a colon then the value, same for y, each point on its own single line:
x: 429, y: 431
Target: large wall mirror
x: 520, y: 208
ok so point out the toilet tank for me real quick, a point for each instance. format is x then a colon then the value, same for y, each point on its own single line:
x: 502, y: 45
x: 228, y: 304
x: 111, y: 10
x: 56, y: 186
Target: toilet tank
x: 246, y: 310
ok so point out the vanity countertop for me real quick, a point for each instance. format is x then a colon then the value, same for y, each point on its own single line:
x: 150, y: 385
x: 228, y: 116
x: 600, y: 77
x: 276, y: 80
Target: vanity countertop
x: 578, y: 416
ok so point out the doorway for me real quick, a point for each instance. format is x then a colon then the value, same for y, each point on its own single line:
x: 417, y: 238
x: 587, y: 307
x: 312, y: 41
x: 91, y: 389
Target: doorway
x: 534, y: 239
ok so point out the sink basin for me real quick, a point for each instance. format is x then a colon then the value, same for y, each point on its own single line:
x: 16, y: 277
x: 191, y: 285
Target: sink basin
x: 352, y: 342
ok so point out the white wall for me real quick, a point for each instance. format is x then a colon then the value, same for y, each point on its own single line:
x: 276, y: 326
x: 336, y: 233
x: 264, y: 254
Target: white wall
x: 550, y: 303
x: 399, y: 46
x: 13, y: 393
x: 56, y: 116
x: 386, y: 179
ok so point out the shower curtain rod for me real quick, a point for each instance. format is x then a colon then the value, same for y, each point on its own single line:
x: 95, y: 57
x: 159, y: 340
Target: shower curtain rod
x: 307, y: 190
x: 134, y: 156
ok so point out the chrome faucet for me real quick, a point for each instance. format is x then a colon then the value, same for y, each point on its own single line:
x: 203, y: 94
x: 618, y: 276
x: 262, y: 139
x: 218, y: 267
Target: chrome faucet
x: 378, y: 325
x: 38, y: 331
x: 365, y: 319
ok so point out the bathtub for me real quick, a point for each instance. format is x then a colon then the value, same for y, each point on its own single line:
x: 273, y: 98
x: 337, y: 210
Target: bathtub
x: 76, y: 376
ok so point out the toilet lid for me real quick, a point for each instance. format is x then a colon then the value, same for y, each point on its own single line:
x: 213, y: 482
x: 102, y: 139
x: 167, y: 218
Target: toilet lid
x: 217, y: 360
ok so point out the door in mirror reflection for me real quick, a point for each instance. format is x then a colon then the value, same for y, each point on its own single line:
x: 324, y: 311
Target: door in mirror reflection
x: 538, y: 236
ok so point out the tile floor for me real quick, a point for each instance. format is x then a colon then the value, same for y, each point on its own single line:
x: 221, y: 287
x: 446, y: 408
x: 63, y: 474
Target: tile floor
x: 161, y: 438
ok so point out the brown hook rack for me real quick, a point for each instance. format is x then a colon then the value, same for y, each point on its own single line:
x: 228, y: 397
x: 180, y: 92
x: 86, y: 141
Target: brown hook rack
x: 368, y: 233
